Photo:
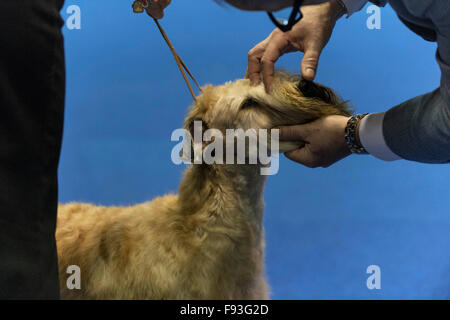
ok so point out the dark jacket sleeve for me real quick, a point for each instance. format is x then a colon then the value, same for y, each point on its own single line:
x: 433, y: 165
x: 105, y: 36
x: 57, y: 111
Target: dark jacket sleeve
x: 419, y: 129
x: 380, y: 3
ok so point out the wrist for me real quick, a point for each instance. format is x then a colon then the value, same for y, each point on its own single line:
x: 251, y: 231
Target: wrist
x: 352, y: 134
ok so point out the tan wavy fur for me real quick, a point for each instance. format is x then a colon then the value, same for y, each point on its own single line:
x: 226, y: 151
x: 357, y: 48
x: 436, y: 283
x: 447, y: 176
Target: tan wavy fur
x: 206, y: 242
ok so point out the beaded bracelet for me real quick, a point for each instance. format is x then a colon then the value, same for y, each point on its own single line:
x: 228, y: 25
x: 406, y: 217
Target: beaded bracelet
x: 350, y: 134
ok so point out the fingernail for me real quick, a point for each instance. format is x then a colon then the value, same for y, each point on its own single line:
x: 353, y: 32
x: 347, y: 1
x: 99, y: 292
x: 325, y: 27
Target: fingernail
x: 309, y: 73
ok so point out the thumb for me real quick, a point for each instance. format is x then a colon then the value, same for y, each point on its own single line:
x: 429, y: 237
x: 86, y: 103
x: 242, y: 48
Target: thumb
x: 310, y: 62
x: 155, y: 11
x: 302, y: 156
x: 294, y: 133
x: 156, y: 8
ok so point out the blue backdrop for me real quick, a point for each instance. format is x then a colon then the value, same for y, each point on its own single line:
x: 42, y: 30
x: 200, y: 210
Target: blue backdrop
x: 324, y: 227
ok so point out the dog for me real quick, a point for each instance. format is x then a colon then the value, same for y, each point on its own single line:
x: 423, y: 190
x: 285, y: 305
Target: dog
x: 206, y: 242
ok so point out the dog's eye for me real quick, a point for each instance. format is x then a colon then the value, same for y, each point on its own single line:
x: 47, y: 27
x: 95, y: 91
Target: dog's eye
x: 200, y: 122
x: 196, y: 120
x: 249, y: 102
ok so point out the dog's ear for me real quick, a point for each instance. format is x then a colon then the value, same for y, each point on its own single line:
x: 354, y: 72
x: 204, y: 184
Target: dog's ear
x: 309, y: 89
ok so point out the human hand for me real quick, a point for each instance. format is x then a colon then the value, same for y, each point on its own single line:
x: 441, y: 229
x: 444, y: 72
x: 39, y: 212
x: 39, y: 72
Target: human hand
x: 324, y: 141
x: 309, y: 35
x: 156, y: 9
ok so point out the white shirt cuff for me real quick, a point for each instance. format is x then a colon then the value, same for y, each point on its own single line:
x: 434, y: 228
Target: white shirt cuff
x: 372, y: 138
x: 353, y: 6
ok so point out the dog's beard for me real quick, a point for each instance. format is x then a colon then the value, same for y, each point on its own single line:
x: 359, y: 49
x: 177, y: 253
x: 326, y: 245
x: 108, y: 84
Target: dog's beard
x: 284, y: 146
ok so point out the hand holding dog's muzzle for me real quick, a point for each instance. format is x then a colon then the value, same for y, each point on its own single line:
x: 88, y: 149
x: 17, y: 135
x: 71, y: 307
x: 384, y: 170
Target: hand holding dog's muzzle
x: 324, y: 141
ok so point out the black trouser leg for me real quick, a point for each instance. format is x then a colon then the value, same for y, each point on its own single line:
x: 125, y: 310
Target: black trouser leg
x: 32, y: 88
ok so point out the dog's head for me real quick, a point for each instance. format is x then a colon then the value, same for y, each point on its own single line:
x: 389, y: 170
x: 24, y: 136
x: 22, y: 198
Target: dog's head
x: 239, y: 105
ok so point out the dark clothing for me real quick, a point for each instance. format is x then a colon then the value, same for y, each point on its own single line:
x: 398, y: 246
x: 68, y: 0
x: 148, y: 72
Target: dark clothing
x: 419, y: 25
x: 419, y: 129
x: 32, y: 88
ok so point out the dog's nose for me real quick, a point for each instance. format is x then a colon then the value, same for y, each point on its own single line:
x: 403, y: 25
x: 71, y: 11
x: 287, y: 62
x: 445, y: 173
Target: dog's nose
x: 309, y: 89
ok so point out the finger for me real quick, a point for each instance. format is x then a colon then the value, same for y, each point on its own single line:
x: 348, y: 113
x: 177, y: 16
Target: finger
x: 294, y: 133
x: 273, y: 52
x: 156, y: 13
x: 165, y: 3
x: 302, y: 156
x: 254, y: 63
x: 156, y: 9
x: 310, y: 63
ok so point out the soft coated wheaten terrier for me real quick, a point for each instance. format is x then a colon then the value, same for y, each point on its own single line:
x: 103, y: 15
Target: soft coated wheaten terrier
x: 206, y: 242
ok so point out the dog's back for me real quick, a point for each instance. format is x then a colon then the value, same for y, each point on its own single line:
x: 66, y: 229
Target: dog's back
x: 114, y: 247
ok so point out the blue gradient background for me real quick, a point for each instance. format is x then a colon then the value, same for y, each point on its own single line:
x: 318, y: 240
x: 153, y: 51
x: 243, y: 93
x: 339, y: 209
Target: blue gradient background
x: 324, y: 226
